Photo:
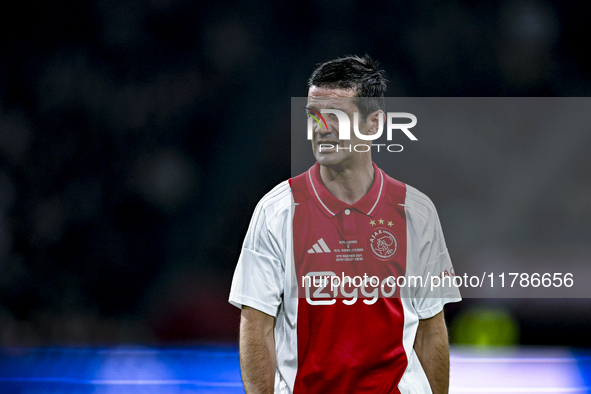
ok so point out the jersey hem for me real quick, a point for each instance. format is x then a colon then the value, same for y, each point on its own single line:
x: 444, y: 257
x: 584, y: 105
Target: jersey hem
x: 239, y: 300
x: 435, y: 309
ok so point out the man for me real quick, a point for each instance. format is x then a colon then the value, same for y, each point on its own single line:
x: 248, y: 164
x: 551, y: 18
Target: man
x: 343, y: 217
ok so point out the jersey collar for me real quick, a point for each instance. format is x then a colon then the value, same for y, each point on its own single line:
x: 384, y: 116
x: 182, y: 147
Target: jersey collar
x: 331, y: 205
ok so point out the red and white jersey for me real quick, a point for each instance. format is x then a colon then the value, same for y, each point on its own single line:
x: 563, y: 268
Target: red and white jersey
x: 355, y: 336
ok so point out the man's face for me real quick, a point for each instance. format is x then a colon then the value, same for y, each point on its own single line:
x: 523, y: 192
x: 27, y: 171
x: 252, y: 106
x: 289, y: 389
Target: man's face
x: 341, y: 99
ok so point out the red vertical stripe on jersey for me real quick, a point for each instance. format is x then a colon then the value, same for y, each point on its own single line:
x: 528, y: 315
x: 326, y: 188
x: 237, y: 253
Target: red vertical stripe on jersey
x: 344, y: 348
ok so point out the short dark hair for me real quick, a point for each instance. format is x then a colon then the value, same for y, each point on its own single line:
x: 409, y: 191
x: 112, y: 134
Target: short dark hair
x: 354, y: 72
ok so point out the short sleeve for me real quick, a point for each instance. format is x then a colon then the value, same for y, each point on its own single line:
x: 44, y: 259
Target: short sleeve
x: 259, y: 278
x: 434, y: 262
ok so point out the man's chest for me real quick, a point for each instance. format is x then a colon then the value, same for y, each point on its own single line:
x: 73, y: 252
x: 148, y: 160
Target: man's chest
x: 350, y: 249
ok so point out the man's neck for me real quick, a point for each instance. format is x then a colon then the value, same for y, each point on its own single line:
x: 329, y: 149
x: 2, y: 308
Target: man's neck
x: 348, y: 185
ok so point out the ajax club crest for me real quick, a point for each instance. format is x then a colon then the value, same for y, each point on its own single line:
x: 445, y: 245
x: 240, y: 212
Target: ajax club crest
x: 383, y: 243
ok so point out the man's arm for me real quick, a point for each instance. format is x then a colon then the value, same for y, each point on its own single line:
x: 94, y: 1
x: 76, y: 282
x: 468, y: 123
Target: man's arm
x: 257, y: 351
x: 432, y: 348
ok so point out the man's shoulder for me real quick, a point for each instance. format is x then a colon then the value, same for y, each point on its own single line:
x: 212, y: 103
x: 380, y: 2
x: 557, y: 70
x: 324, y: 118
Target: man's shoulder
x: 278, y: 199
x: 418, y: 199
x: 415, y: 200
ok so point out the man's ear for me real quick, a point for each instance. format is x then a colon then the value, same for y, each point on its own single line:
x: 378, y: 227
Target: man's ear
x: 373, y: 121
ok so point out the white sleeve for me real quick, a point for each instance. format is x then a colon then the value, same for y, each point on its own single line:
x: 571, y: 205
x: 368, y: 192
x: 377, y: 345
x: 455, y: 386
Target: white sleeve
x: 434, y: 261
x: 259, y: 276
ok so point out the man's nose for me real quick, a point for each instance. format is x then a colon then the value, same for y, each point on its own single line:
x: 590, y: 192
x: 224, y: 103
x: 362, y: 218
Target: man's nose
x: 323, y: 130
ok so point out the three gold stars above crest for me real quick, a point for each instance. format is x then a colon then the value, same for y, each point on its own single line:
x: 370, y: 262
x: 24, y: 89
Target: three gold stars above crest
x: 381, y: 221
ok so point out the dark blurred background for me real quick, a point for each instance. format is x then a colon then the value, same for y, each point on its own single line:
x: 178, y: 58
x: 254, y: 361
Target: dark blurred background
x: 137, y: 137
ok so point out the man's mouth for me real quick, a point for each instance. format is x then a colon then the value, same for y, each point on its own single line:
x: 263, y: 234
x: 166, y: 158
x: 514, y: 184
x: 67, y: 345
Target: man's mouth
x: 327, y: 146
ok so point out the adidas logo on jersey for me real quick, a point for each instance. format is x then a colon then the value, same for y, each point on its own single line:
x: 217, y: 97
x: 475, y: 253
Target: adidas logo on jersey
x: 319, y: 247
